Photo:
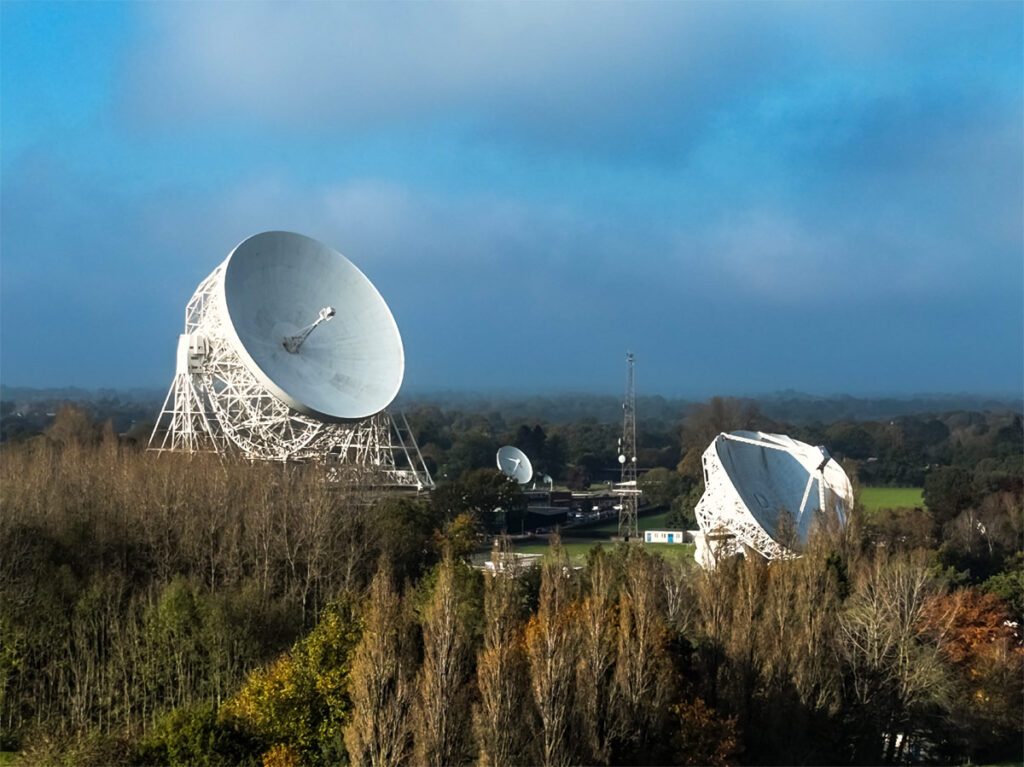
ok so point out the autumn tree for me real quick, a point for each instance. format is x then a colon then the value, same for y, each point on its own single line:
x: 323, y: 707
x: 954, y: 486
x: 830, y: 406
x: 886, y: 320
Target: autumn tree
x: 299, y: 704
x: 643, y: 672
x: 502, y: 673
x: 442, y: 733
x: 552, y: 649
x: 381, y: 686
x: 596, y: 696
x: 975, y: 635
x: 796, y: 682
x: 702, y: 736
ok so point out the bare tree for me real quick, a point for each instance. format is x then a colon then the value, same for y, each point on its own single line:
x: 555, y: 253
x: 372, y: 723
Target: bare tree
x: 680, y: 601
x: 72, y: 426
x: 891, y: 674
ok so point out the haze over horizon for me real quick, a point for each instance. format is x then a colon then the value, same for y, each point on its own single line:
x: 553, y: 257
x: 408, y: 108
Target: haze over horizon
x: 827, y: 198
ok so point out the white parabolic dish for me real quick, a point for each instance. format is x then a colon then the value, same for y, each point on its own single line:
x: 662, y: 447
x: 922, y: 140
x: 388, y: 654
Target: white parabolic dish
x: 513, y: 463
x: 752, y: 479
x: 275, y: 284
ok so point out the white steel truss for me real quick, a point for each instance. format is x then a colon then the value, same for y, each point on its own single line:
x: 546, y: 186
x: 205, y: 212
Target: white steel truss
x: 727, y: 525
x: 723, y: 517
x: 215, y: 404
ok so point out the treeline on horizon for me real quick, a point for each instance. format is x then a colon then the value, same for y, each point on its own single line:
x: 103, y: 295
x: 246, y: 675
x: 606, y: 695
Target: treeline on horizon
x: 27, y: 411
x: 166, y: 610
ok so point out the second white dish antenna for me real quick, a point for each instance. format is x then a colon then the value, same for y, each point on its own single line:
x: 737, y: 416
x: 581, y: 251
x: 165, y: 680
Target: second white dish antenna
x: 513, y: 463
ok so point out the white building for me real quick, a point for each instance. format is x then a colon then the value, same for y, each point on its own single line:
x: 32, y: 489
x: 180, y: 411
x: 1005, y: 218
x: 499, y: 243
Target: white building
x: 664, y: 536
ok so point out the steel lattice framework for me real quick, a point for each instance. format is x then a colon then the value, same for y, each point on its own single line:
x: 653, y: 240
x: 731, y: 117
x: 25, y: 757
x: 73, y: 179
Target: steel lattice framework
x: 723, y: 517
x: 216, y: 404
x: 627, y: 488
x: 726, y: 522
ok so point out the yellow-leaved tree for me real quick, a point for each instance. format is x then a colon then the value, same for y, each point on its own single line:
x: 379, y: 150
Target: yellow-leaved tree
x: 299, y: 704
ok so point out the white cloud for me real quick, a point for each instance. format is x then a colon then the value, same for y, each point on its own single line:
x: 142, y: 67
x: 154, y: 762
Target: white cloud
x: 530, y: 68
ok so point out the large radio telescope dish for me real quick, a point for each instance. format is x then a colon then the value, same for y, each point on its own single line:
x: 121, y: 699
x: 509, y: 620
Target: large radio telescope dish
x: 275, y: 285
x: 767, y: 491
x: 513, y: 463
x: 289, y: 352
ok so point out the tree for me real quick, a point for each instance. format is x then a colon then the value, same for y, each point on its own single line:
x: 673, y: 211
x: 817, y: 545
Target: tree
x: 531, y: 440
x: 596, y: 699
x: 554, y: 456
x: 502, y: 674
x: 194, y: 736
x: 974, y: 633
x: 475, y: 450
x: 704, y: 737
x: 72, y: 426
x: 705, y: 422
x: 378, y: 732
x: 442, y: 711
x: 948, y: 490
x: 643, y: 672
x: 1008, y: 585
x: 578, y: 478
x: 552, y: 649
x: 660, y: 486
x: 720, y: 414
x: 850, y: 440
x: 683, y: 512
x: 461, y: 536
x: 300, y: 703
x: 893, y: 678
x: 405, y: 529
x: 487, y: 494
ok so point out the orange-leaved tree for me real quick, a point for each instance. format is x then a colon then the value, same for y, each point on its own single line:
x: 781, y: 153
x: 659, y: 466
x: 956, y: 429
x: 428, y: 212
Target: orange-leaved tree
x: 976, y: 636
x: 552, y: 649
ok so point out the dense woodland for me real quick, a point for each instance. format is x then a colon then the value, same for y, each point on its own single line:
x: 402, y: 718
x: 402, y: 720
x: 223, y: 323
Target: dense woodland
x: 166, y: 610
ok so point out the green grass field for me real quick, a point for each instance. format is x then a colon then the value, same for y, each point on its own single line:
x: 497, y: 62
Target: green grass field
x: 875, y: 498
x: 578, y: 541
x: 577, y: 549
x: 611, y: 527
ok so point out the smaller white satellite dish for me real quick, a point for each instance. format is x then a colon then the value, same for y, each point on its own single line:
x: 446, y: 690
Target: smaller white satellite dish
x: 513, y: 463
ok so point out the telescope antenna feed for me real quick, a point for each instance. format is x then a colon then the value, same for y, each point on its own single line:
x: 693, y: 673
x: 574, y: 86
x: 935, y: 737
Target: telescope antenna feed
x: 292, y: 344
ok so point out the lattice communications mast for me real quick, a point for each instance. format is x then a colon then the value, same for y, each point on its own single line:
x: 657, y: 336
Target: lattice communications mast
x: 627, y: 456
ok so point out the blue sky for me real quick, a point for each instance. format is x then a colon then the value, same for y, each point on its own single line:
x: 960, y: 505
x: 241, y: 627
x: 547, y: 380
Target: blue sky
x: 826, y: 197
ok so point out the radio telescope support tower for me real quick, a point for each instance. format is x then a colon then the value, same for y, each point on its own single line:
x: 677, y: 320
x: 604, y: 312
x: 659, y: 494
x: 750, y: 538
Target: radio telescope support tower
x: 627, y: 457
x: 254, y: 379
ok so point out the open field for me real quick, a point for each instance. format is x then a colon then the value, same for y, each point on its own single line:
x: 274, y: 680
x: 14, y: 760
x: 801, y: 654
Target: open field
x: 577, y: 549
x: 875, y: 498
x: 607, y: 529
x: 580, y: 540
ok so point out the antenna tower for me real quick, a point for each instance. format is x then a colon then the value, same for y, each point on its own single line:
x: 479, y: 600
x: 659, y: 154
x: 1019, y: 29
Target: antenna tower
x: 627, y: 456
